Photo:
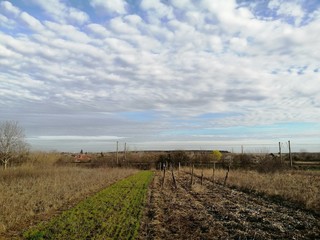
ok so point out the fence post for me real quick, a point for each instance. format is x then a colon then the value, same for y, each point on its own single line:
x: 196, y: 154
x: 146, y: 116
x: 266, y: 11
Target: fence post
x: 280, y: 152
x: 174, y: 179
x: 191, y: 183
x: 117, y: 156
x: 164, y: 176
x: 290, y: 156
x: 225, y: 179
x: 202, y: 176
x: 125, y: 152
x: 213, y: 172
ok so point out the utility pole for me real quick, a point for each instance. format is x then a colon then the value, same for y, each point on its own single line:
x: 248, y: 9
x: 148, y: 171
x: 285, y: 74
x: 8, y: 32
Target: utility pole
x: 290, y: 156
x: 280, y: 152
x: 117, y: 153
x: 125, y: 151
x: 241, y: 149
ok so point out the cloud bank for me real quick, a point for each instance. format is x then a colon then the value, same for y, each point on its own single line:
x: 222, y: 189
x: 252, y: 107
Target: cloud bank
x: 161, y: 71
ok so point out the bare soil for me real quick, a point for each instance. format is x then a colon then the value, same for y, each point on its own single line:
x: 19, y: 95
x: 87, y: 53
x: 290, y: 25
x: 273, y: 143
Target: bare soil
x: 212, y: 211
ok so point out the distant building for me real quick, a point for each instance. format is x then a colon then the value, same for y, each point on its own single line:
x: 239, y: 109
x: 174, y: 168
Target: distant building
x: 82, y: 158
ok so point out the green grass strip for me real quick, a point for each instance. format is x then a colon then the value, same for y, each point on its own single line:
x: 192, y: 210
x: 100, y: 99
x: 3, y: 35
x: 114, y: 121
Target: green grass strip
x: 113, y: 213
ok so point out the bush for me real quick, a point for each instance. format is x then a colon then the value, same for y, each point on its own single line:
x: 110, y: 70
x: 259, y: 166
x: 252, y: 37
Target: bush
x: 173, y: 158
x: 243, y: 161
x: 271, y: 165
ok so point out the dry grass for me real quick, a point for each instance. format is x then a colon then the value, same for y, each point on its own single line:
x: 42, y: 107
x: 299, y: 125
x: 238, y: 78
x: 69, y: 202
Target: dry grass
x: 302, y: 187
x: 41, y: 188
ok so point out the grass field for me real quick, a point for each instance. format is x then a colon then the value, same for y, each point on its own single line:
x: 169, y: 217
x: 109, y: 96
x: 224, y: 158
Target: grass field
x: 34, y: 192
x: 113, y: 213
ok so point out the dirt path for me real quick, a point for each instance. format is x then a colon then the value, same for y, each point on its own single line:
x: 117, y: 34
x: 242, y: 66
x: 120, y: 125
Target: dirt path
x: 216, y: 212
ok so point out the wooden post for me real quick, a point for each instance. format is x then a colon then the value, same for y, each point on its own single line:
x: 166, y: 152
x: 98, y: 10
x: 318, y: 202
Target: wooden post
x: 117, y: 153
x: 225, y: 179
x: 125, y: 151
x: 179, y: 170
x: 164, y: 176
x: 280, y: 152
x: 290, y: 156
x: 241, y: 149
x: 191, y: 183
x: 213, y: 172
x: 174, y: 179
x: 202, y: 176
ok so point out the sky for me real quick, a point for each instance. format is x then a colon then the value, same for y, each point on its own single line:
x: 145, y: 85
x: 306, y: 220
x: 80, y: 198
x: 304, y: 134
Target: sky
x: 162, y: 74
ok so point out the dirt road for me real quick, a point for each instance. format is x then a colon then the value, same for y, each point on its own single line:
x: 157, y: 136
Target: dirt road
x: 215, y: 212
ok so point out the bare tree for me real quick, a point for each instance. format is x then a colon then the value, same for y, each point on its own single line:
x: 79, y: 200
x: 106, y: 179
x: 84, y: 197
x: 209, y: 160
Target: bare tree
x: 12, y: 141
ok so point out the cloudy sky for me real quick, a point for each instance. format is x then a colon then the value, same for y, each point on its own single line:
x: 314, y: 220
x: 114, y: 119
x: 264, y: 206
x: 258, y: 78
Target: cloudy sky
x: 161, y: 74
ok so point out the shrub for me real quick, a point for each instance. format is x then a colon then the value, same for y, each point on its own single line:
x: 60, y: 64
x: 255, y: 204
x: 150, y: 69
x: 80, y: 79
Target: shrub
x: 216, y: 155
x: 271, y: 165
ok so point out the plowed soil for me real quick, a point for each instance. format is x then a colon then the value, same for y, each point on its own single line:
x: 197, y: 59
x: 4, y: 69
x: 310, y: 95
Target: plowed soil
x: 212, y: 211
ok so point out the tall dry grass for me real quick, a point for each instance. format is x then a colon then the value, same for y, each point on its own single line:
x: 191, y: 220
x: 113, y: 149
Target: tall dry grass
x: 301, y: 187
x: 40, y: 188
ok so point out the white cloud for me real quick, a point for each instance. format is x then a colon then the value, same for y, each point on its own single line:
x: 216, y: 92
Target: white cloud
x: 182, y: 4
x: 22, y: 94
x: 67, y: 31
x: 60, y: 12
x: 215, y: 43
x: 111, y: 6
x: 7, y: 53
x: 133, y: 19
x: 238, y: 44
x: 80, y: 138
x: 291, y: 10
x: 195, y: 18
x: 21, y: 46
x: 6, y: 22
x: 8, y: 8
x: 314, y: 16
x: 288, y: 9
x: 118, y: 45
x: 76, y: 16
x: 223, y: 10
x: 31, y: 22
x: 98, y: 30
x: 156, y: 10
x: 119, y: 26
